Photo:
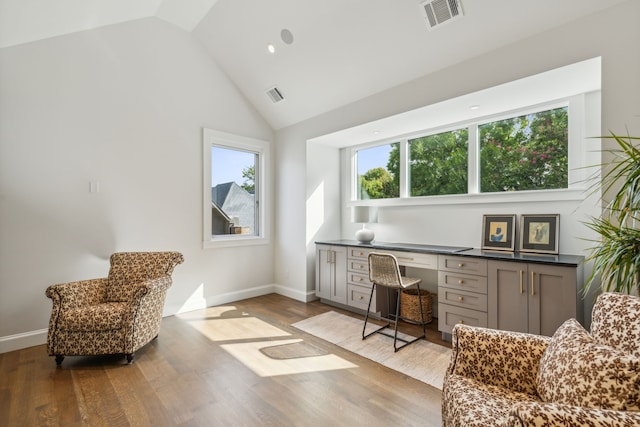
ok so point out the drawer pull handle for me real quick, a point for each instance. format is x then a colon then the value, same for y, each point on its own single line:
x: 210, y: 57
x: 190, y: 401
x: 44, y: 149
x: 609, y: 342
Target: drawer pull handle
x: 361, y: 253
x: 460, y: 299
x: 461, y: 321
x: 460, y: 265
x: 460, y: 282
x: 404, y: 258
x: 361, y: 267
x: 361, y: 297
x: 360, y: 279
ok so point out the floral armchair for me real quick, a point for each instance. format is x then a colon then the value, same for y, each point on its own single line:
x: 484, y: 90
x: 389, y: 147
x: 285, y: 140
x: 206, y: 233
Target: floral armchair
x: 117, y: 314
x: 575, y: 378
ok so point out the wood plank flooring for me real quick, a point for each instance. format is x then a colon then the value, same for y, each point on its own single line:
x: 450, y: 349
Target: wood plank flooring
x: 185, y: 379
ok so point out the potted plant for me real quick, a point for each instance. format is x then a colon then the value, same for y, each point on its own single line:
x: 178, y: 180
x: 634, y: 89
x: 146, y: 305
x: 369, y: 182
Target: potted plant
x: 616, y: 255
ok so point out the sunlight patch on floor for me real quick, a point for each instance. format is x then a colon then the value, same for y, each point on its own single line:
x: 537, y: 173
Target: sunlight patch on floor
x: 242, y: 328
x: 207, y: 312
x: 251, y: 356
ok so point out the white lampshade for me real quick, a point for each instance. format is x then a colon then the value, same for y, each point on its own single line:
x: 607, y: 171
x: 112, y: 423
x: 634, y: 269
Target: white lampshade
x: 364, y: 215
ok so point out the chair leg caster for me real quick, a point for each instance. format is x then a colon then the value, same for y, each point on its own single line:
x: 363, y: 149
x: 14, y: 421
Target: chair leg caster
x: 129, y: 358
x: 59, y: 359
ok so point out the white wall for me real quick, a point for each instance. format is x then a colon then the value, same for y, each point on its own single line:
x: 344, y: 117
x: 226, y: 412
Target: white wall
x: 613, y: 35
x: 124, y: 106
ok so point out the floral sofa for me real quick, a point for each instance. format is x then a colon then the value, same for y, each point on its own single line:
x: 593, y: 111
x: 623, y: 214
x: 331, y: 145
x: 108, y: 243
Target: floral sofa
x: 117, y: 314
x: 575, y: 378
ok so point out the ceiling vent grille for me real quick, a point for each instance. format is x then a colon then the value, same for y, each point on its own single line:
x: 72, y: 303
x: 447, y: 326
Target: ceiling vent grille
x: 275, y: 95
x: 437, y: 12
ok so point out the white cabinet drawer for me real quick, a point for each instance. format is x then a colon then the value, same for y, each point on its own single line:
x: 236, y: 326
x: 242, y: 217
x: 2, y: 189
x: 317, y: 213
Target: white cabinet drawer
x: 463, y: 282
x: 462, y: 299
x: 449, y: 316
x: 358, y: 253
x: 358, y: 278
x: 358, y: 296
x: 458, y: 264
x: 359, y: 265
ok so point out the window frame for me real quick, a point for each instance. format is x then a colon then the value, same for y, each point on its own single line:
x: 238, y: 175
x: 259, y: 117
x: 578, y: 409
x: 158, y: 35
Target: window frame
x: 577, y: 162
x: 211, y: 138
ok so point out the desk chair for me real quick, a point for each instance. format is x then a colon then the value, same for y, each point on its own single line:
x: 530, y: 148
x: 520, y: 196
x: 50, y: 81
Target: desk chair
x: 384, y: 271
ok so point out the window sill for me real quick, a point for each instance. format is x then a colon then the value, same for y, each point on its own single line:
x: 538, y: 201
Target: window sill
x: 577, y: 194
x: 230, y: 242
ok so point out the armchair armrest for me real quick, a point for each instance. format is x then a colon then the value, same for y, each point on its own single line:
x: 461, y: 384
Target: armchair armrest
x: 149, y: 287
x: 553, y: 414
x: 496, y: 357
x: 78, y: 294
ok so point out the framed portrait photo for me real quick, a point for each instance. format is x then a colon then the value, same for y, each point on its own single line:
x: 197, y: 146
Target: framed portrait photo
x: 499, y: 232
x: 539, y: 233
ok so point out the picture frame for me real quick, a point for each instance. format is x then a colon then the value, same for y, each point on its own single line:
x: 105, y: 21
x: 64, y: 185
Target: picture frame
x: 499, y: 232
x: 540, y: 233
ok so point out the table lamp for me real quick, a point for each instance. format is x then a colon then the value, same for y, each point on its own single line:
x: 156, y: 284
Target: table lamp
x: 364, y: 215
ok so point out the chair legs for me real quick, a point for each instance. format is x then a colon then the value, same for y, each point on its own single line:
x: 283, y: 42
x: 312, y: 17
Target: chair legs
x: 396, y: 317
x: 60, y: 358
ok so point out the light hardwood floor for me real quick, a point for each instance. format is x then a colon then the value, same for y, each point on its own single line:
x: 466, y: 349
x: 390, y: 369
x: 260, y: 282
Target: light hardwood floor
x: 185, y: 378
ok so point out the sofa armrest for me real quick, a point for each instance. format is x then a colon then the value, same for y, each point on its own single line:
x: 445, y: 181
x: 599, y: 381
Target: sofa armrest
x: 526, y: 414
x: 78, y: 294
x: 495, y: 357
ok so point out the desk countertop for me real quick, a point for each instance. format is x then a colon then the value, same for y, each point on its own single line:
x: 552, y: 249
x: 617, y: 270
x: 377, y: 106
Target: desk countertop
x: 562, y: 259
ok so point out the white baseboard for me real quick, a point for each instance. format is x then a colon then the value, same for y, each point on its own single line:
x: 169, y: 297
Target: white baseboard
x: 295, y: 294
x: 23, y: 340
x: 33, y: 338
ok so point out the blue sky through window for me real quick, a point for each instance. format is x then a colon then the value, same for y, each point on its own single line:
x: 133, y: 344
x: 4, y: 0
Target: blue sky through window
x: 370, y: 158
x: 227, y: 165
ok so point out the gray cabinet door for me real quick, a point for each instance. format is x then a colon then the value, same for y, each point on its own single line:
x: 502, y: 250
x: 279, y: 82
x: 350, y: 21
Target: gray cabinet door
x: 331, y: 273
x: 339, y: 289
x: 324, y: 271
x: 508, y: 302
x: 552, y: 297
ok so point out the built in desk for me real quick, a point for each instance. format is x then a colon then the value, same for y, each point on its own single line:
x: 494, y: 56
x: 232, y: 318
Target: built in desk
x: 502, y: 290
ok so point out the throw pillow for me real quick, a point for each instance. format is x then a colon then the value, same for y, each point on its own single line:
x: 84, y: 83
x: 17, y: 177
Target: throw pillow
x: 576, y: 370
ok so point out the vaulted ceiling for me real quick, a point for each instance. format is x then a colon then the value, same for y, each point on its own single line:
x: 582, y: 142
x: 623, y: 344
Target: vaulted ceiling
x: 332, y: 53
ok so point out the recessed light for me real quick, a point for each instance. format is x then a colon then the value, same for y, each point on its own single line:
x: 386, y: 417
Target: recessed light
x: 271, y: 48
x: 375, y: 132
x: 286, y: 36
x: 474, y: 107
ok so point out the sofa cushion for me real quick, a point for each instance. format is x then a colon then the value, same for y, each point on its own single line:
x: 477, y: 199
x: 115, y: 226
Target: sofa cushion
x: 576, y: 370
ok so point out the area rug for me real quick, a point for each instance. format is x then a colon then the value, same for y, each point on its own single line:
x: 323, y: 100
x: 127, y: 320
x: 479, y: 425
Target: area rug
x: 423, y: 360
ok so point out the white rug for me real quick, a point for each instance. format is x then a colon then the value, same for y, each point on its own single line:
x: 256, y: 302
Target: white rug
x: 423, y: 360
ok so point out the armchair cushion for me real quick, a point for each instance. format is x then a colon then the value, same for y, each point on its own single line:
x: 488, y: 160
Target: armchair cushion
x: 575, y: 370
x: 472, y: 402
x: 100, y: 317
x: 500, y: 358
x: 615, y: 322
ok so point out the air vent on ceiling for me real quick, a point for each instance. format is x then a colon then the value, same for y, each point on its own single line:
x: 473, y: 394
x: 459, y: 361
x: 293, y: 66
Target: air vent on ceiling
x: 437, y: 12
x: 275, y: 95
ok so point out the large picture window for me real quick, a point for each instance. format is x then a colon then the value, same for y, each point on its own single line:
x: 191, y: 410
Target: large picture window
x: 438, y: 164
x: 522, y: 152
x: 234, y: 188
x: 378, y: 172
x: 528, y: 152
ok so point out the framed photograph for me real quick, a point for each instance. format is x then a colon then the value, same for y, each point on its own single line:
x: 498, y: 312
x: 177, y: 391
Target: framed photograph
x: 539, y: 233
x: 499, y: 232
